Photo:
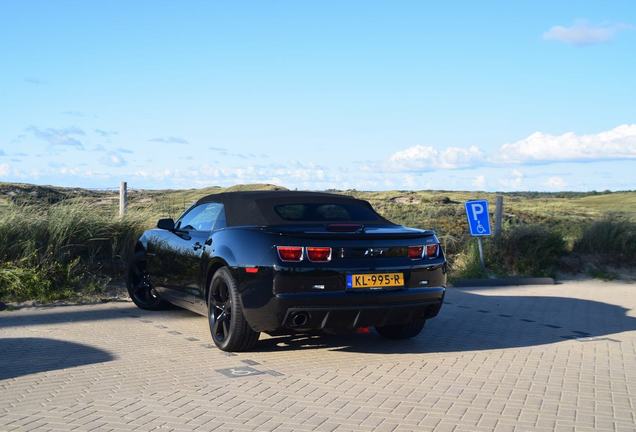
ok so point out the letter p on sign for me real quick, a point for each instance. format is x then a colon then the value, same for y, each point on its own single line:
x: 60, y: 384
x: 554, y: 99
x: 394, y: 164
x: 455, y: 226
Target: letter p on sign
x: 477, y: 209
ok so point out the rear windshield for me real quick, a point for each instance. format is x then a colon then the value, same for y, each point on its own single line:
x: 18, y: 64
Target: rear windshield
x: 326, y: 212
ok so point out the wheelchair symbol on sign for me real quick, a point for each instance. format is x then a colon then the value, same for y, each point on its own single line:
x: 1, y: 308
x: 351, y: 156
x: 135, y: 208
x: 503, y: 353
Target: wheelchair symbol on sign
x: 241, y: 372
x: 480, y: 228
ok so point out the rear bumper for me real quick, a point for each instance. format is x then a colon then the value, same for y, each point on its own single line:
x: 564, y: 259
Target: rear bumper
x: 345, y: 309
x: 354, y: 310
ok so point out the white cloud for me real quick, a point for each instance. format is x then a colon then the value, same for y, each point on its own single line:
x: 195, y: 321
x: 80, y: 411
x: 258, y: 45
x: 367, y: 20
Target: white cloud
x: 72, y: 171
x: 106, y: 133
x: 556, y: 183
x: 411, y: 168
x: 583, y: 33
x: 77, y: 172
x: 539, y: 147
x: 293, y: 174
x: 617, y: 143
x: 113, y: 159
x: 479, y: 182
x: 410, y: 181
x: 4, y: 170
x: 427, y: 158
x: 63, y: 137
x: 512, y: 181
x: 156, y: 174
x: 170, y: 140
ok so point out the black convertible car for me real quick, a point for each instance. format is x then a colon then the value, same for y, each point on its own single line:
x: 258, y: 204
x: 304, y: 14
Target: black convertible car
x: 285, y: 262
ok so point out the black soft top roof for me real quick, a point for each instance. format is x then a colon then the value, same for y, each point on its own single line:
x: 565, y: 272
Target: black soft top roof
x: 257, y: 207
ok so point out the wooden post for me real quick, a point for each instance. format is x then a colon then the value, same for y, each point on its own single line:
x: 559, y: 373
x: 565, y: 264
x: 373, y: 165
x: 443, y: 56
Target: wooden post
x: 123, y: 198
x: 498, y: 214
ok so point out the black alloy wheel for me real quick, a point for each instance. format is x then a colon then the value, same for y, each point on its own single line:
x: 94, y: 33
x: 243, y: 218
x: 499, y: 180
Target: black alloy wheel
x: 221, y: 313
x: 229, y: 329
x: 140, y: 288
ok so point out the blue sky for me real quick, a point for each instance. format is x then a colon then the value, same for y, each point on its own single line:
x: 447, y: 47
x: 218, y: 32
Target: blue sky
x: 532, y: 95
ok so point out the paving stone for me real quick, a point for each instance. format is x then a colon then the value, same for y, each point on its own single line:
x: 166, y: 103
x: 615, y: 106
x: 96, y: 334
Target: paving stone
x: 494, y: 359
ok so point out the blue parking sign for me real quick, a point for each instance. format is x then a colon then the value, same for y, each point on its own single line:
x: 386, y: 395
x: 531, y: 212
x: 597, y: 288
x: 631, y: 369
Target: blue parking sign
x: 478, y: 221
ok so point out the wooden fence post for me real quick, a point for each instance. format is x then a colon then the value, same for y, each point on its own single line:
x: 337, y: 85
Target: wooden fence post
x: 498, y: 214
x: 123, y: 198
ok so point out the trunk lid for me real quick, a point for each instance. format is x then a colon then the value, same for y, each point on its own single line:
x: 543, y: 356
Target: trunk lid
x: 348, y: 231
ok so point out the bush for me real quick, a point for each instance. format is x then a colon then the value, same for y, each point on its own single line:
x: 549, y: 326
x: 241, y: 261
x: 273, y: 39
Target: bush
x: 51, y: 252
x: 611, y: 240
x: 19, y: 282
x: 527, y: 250
x: 466, y: 264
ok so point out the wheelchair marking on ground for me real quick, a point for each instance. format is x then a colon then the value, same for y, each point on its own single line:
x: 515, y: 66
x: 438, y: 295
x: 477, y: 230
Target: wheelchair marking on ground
x: 239, y: 372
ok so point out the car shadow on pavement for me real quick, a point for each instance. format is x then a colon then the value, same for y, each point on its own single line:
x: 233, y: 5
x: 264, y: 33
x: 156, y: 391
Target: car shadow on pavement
x: 68, y: 314
x: 473, y: 322
x: 468, y: 321
x: 24, y: 356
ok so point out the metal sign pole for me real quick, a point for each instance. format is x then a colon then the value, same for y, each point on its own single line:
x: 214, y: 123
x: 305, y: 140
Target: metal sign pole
x: 481, y: 253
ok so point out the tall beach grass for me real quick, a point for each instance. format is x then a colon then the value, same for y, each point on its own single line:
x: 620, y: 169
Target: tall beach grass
x: 50, y: 252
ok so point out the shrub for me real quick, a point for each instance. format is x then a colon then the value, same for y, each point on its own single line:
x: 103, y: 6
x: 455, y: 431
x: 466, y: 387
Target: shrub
x: 19, y: 282
x: 528, y: 250
x: 51, y: 252
x: 612, y: 240
x: 466, y: 264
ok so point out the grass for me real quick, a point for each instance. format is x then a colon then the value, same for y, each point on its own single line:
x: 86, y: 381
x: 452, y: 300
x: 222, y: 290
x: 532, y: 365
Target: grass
x: 612, y: 239
x: 619, y: 202
x: 49, y: 252
x: 528, y: 250
x: 66, y: 242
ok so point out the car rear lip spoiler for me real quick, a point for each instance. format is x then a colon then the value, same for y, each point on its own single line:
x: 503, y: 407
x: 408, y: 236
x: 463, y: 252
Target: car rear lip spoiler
x: 355, y: 235
x: 345, y: 227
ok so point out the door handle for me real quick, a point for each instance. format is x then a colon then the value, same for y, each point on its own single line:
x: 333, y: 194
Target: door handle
x: 197, y: 246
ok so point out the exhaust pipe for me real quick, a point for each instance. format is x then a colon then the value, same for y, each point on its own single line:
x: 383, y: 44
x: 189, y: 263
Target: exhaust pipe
x: 300, y: 319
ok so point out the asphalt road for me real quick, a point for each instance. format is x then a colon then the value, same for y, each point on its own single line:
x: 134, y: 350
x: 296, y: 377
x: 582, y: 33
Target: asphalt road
x: 542, y: 358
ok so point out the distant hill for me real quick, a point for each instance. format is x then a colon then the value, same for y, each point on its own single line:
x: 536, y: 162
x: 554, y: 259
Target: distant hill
x: 440, y: 210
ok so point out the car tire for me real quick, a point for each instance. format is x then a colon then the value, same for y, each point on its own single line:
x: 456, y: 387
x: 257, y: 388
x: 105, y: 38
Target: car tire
x: 401, y: 331
x: 229, y: 329
x: 140, y: 289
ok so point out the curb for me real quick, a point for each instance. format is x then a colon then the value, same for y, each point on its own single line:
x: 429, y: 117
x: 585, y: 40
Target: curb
x: 464, y: 283
x: 60, y: 303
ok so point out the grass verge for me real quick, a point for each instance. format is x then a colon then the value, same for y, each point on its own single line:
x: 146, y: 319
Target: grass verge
x: 61, y: 251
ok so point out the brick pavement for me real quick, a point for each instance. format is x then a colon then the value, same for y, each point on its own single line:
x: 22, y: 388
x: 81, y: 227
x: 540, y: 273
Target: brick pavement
x: 532, y: 358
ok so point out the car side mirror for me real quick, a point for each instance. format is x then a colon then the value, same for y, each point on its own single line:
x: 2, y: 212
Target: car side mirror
x: 166, y: 224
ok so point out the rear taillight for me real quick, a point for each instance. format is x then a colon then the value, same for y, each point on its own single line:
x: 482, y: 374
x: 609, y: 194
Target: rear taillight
x: 290, y: 253
x: 295, y: 253
x: 319, y: 254
x: 432, y: 250
x: 415, y: 252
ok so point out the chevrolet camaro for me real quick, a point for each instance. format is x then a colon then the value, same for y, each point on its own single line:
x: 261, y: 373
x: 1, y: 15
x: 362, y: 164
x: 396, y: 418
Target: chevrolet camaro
x: 285, y: 262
